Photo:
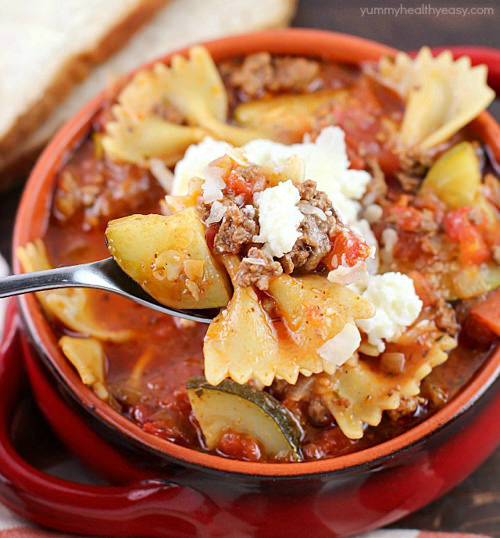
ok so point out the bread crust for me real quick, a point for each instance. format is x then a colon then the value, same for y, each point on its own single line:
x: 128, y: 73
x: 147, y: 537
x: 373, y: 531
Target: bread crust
x: 76, y: 69
x: 16, y: 164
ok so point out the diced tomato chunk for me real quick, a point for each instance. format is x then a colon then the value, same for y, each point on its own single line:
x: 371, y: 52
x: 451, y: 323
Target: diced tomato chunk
x: 423, y: 287
x: 455, y: 223
x: 239, y: 446
x: 238, y: 186
x: 460, y: 229
x: 407, y: 218
x: 362, y: 118
x: 347, y: 249
x: 408, y: 246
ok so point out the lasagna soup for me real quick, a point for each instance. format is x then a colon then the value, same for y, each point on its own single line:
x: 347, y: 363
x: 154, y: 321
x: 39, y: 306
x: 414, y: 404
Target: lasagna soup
x: 342, y: 223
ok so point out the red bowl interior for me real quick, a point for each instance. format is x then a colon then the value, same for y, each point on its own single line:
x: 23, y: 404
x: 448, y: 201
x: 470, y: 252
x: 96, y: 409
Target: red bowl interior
x: 32, y: 220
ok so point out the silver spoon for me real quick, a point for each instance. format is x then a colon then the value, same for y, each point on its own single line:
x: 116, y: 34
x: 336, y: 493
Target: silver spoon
x: 102, y: 275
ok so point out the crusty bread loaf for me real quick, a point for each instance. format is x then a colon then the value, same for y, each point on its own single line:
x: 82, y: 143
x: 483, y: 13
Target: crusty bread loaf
x: 179, y: 23
x: 48, y: 46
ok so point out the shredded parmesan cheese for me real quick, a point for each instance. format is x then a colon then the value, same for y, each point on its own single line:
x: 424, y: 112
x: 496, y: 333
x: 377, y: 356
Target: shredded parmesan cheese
x: 344, y: 275
x: 340, y: 348
x: 217, y: 211
x: 254, y: 261
x: 309, y: 209
x: 212, y: 184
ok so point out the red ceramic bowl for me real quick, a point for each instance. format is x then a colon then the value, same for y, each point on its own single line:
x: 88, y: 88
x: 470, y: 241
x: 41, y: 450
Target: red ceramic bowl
x: 206, y: 494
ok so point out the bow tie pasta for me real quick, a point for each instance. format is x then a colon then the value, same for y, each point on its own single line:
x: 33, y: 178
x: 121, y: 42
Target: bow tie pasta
x: 164, y: 110
x: 442, y: 95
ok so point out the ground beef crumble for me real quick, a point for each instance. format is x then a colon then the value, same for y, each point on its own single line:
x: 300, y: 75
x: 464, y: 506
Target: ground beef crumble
x: 318, y: 225
x: 257, y: 268
x: 238, y: 228
x: 445, y: 317
x: 261, y: 72
x: 407, y: 407
x: 309, y: 193
x: 317, y: 413
x: 97, y: 189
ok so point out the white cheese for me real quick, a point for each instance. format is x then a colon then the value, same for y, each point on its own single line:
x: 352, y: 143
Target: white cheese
x: 389, y: 240
x: 325, y: 162
x: 396, y: 307
x: 362, y: 228
x: 373, y: 213
x: 279, y: 218
x: 213, y: 184
x: 340, y: 348
x: 345, y: 275
x: 217, y: 212
x: 195, y: 162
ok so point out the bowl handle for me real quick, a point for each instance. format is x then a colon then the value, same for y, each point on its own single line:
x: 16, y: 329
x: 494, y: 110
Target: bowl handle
x: 132, y: 509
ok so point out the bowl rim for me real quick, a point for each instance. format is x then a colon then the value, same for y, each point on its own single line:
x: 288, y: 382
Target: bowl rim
x: 32, y: 219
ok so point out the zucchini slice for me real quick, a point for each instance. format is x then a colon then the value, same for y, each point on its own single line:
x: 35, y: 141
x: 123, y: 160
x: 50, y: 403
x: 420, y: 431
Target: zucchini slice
x: 243, y: 409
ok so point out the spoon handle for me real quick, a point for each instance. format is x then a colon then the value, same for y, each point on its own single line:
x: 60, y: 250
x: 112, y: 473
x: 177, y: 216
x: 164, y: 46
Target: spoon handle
x: 38, y: 281
x: 102, y: 275
x: 86, y: 275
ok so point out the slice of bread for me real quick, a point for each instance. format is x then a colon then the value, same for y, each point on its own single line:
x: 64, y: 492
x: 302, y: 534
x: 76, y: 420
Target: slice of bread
x: 178, y: 24
x: 48, y: 47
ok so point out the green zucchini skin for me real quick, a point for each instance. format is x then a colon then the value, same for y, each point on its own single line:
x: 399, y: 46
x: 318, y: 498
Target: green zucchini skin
x: 268, y: 405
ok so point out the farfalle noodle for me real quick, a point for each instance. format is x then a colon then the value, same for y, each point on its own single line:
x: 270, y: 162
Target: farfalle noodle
x: 357, y: 394
x: 193, y: 89
x: 242, y: 342
x: 87, y: 356
x: 69, y: 305
x: 442, y: 95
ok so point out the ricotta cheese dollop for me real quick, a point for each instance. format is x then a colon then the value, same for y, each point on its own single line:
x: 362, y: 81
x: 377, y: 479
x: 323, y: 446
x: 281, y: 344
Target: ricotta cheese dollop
x: 396, y: 307
x: 325, y: 161
x: 279, y: 218
x: 195, y: 164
